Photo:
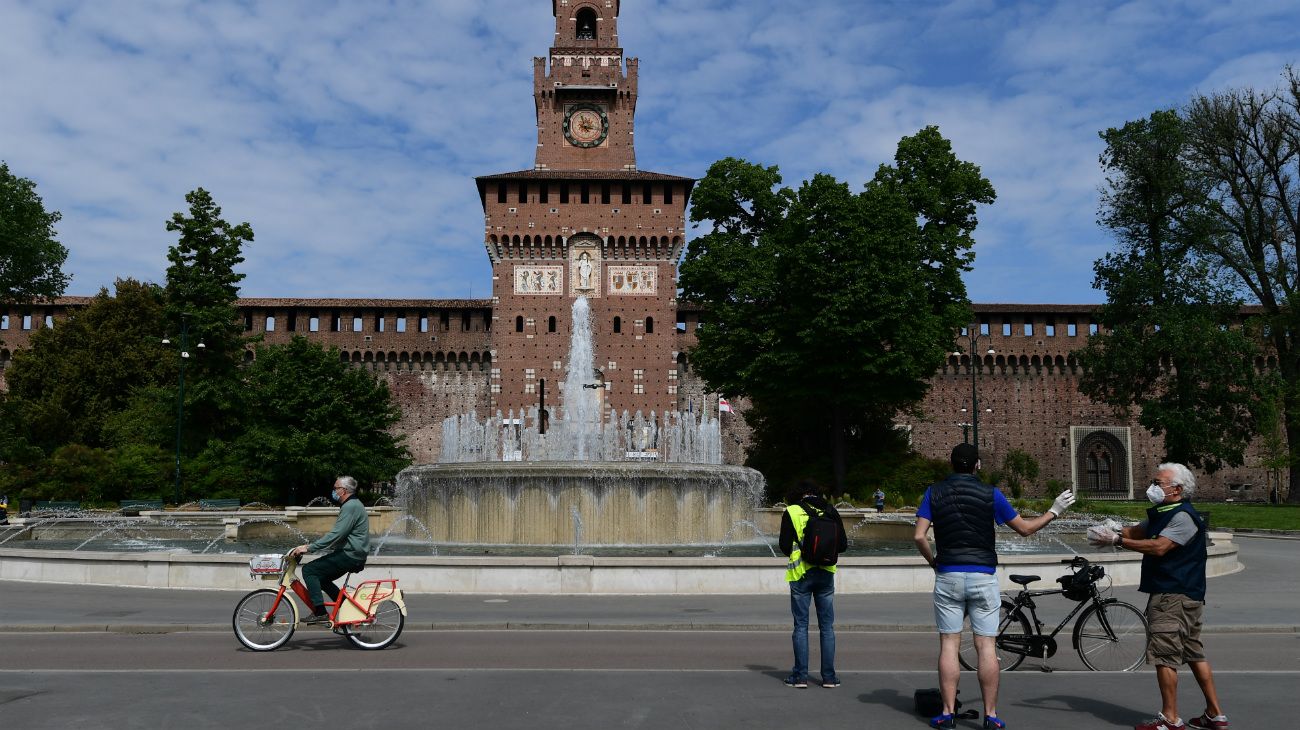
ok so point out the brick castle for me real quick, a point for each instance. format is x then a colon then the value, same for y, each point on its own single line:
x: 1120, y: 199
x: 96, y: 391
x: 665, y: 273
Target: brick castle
x: 585, y: 220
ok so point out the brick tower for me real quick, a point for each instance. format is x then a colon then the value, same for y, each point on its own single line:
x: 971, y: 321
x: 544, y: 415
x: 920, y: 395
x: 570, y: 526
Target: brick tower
x: 584, y: 221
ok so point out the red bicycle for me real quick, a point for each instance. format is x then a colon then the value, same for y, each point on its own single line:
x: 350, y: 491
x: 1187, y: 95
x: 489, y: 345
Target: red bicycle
x: 371, y: 615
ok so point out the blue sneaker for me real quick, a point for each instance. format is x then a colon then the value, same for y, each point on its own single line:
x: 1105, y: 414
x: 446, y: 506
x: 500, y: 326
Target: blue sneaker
x: 830, y: 682
x: 992, y: 722
x: 796, y: 682
x: 944, y: 721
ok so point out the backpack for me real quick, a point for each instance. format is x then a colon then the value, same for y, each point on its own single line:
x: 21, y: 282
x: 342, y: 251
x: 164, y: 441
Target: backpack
x: 821, y: 537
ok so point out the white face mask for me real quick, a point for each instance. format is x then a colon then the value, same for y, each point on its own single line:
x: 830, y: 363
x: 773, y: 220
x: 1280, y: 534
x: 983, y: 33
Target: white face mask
x: 1155, y: 493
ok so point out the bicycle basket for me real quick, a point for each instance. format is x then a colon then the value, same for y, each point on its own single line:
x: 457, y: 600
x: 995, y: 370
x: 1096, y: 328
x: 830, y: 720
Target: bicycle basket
x: 270, y: 565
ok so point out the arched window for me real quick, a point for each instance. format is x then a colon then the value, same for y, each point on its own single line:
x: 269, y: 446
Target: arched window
x: 649, y: 325
x: 550, y: 324
x: 519, y: 323
x: 586, y: 24
x: 1102, y: 464
x: 618, y: 325
x: 270, y: 324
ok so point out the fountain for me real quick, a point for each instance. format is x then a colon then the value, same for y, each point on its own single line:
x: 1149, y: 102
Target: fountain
x: 587, y: 478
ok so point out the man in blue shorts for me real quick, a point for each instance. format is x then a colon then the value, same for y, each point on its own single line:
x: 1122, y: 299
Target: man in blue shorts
x: 963, y: 511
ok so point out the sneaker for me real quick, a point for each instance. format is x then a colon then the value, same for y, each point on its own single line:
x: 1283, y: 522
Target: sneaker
x: 944, y: 721
x: 1205, y: 722
x: 1159, y: 723
x: 316, y: 618
x: 831, y: 683
x: 991, y: 722
x: 796, y: 682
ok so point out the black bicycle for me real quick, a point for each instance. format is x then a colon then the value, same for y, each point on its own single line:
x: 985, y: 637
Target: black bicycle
x: 1110, y: 635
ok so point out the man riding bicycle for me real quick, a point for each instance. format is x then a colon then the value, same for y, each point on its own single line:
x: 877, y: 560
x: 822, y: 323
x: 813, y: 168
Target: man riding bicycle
x: 351, y: 535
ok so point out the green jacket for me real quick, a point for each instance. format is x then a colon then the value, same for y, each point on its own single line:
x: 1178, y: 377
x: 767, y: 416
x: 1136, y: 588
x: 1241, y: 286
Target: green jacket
x: 351, y: 533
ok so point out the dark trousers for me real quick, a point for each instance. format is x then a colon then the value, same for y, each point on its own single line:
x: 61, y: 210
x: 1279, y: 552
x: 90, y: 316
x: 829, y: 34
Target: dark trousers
x: 320, y: 573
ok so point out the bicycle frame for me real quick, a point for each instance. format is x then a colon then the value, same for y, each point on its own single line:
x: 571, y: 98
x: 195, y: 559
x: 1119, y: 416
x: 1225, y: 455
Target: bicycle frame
x: 350, y: 608
x: 1017, y: 644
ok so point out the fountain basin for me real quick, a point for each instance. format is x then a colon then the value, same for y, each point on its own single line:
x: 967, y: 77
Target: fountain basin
x: 566, y: 574
x: 579, y: 503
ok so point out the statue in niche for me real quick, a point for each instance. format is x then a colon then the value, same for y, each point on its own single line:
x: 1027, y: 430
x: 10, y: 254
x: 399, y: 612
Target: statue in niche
x: 584, y: 270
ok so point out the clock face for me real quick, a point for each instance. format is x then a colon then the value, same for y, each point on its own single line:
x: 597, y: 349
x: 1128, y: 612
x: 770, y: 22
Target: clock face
x: 586, y: 125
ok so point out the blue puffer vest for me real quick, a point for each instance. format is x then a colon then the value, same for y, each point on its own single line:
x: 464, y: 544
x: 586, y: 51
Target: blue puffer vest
x: 1181, y: 570
x: 961, y: 509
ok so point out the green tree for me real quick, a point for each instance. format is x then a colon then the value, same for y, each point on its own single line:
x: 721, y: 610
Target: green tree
x: 30, y: 257
x: 308, y: 417
x: 201, y: 294
x: 861, y: 294
x: 1019, y: 469
x: 1245, y: 146
x: 75, y: 376
x: 1165, y: 349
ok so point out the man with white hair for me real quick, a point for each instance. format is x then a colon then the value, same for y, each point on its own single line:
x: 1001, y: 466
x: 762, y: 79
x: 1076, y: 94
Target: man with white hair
x: 1172, y: 540
x: 351, y: 539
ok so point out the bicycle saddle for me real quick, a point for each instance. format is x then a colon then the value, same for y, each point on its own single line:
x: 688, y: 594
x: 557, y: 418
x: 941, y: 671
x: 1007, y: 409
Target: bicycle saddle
x: 1023, y: 580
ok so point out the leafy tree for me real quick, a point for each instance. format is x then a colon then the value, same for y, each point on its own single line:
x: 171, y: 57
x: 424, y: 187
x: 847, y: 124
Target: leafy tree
x: 308, y: 417
x: 1019, y: 468
x: 201, y: 294
x: 75, y: 376
x: 1165, y: 349
x: 859, y: 293
x: 1245, y: 146
x: 30, y: 257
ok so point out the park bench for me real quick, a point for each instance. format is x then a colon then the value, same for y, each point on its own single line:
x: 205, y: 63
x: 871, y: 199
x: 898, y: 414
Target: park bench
x: 219, y: 504
x: 45, y: 505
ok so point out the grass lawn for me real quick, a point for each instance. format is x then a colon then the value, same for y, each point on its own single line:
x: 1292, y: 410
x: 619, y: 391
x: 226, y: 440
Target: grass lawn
x: 1223, y: 515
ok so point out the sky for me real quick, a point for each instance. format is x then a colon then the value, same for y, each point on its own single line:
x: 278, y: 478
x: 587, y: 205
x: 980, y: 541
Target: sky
x: 348, y: 134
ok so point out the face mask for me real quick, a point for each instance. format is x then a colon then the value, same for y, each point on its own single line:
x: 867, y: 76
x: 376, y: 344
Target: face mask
x: 1155, y: 493
x: 334, y: 496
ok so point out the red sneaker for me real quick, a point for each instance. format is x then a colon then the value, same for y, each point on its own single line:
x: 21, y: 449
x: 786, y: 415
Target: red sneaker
x: 1205, y: 722
x: 1159, y: 723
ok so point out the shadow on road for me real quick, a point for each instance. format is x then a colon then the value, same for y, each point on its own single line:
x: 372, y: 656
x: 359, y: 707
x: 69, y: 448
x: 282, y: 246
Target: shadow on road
x: 1100, y: 709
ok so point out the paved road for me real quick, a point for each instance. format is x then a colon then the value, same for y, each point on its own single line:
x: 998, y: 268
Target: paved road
x: 569, y: 679
x: 101, y: 657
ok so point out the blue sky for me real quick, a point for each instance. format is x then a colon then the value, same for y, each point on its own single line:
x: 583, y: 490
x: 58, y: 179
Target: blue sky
x: 348, y: 134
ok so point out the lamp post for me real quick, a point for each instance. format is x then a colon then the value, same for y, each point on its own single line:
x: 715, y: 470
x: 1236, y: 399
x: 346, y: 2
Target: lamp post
x: 180, y: 395
x: 972, y: 338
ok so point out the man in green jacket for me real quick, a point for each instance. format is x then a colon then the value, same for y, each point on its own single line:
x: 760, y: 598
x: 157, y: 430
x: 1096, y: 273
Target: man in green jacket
x: 350, y: 541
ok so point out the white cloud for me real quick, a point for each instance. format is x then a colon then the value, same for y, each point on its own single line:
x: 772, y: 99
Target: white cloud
x: 348, y: 134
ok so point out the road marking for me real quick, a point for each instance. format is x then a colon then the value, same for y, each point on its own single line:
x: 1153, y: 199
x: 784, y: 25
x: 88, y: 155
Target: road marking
x: 373, y: 670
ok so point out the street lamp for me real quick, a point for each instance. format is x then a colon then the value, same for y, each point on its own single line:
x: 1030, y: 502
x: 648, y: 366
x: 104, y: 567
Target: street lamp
x: 180, y: 394
x: 973, y: 337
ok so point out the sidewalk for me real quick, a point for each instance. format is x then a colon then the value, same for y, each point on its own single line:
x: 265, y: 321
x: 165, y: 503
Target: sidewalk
x: 1262, y: 597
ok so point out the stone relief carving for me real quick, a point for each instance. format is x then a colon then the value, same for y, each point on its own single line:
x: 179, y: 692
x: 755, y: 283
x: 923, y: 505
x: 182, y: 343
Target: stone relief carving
x: 633, y: 280
x: 539, y: 279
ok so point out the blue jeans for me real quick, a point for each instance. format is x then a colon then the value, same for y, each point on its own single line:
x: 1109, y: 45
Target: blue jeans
x: 815, y: 585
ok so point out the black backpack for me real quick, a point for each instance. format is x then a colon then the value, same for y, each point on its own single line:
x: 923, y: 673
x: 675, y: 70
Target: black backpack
x: 821, y: 537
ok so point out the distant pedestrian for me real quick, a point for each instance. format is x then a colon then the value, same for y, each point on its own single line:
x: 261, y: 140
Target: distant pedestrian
x: 1172, y: 540
x: 963, y: 511
x: 879, y: 496
x: 810, y: 583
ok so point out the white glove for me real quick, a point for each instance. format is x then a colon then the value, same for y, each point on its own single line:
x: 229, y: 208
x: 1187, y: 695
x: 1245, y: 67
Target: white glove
x: 1062, y: 502
x: 1102, y: 536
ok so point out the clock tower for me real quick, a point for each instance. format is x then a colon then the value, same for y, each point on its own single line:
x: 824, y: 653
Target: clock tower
x: 584, y: 221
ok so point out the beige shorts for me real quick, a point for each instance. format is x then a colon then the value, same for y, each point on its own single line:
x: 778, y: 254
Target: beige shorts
x: 1175, y: 625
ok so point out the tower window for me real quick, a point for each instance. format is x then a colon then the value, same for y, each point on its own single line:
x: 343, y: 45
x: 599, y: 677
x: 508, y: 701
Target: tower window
x: 550, y: 324
x: 585, y: 25
x: 523, y: 192
x: 519, y: 323
x: 544, y: 193
x: 270, y: 324
x: 668, y: 194
x: 501, y: 192
x: 604, y: 193
x: 335, y: 318
x: 586, y: 193
x: 627, y: 193
x: 649, y: 325
x: 293, y: 322
x: 564, y: 192
x: 618, y: 325
x: 645, y: 193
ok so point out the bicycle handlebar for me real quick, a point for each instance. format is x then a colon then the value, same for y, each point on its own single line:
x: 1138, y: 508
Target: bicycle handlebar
x: 1076, y: 560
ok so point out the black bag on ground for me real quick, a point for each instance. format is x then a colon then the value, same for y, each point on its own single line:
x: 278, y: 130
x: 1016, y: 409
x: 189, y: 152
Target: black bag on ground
x: 929, y: 703
x: 821, y: 537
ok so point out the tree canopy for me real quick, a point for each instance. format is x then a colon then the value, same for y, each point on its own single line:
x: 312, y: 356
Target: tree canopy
x: 830, y: 309
x: 1167, y: 350
x: 31, y: 259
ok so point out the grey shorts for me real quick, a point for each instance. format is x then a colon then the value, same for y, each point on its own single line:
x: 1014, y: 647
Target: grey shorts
x: 957, y: 595
x: 1175, y: 625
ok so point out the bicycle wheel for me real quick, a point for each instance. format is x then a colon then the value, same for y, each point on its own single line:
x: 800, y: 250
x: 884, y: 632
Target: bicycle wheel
x: 1111, y: 637
x: 259, y: 630
x: 1010, y: 621
x: 382, y: 631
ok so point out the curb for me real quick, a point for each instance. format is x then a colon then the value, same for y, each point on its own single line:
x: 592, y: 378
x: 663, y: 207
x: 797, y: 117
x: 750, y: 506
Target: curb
x: 141, y: 629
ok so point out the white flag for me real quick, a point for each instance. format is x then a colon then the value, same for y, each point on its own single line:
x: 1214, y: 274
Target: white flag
x: 724, y: 406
